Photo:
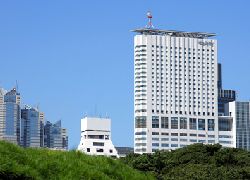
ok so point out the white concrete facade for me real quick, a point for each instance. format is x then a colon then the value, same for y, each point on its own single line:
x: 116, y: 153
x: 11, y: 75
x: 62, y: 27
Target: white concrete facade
x: 96, y: 137
x: 175, y: 91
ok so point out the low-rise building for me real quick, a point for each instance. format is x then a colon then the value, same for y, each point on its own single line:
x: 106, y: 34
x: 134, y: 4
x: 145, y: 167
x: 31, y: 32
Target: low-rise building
x: 124, y: 151
x: 96, y: 137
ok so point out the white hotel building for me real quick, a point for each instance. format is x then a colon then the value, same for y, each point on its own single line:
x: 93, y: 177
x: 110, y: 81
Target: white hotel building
x: 175, y: 89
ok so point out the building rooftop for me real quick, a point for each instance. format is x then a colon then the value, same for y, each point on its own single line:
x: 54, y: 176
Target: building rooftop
x: 2, y: 91
x: 12, y: 92
x: 152, y: 31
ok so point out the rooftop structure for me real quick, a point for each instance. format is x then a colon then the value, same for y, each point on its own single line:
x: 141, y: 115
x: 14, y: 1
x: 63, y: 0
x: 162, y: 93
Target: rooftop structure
x: 149, y: 31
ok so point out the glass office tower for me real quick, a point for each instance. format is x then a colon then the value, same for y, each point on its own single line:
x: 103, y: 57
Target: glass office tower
x: 11, y: 114
x: 55, y: 136
x: 31, y: 127
x: 240, y: 111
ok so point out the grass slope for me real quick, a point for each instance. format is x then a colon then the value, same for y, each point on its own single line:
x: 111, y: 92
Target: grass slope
x: 20, y: 163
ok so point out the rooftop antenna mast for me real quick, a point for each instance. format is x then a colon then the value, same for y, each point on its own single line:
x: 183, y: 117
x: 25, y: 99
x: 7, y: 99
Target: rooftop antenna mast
x: 150, y: 25
x: 16, y: 86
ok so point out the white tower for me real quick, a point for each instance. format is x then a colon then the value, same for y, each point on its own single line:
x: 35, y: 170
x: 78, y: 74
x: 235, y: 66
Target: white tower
x: 175, y: 86
x: 96, y: 137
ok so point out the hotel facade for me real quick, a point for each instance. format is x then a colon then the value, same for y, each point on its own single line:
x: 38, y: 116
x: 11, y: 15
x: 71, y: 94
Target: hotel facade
x: 175, y: 90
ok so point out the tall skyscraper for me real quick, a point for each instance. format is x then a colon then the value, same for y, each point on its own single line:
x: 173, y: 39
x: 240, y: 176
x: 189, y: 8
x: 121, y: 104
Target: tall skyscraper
x: 175, y: 86
x: 10, y: 116
x: 31, y: 127
x: 55, y: 137
x: 2, y: 114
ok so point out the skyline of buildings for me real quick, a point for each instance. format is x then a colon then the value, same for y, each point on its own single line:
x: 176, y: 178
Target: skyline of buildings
x: 178, y: 99
x: 26, y: 126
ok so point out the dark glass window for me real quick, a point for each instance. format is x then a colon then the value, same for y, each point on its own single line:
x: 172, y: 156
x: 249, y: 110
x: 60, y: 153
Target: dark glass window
x: 155, y: 121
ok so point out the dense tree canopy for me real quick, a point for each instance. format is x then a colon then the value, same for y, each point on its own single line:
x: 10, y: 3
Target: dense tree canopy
x: 196, y: 161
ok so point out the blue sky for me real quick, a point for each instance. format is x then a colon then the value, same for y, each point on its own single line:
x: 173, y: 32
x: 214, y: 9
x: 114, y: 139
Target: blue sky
x: 76, y: 57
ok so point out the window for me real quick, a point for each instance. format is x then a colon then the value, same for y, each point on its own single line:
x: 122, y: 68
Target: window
x: 210, y: 124
x: 193, y: 140
x: 174, y: 122
x: 211, y: 136
x: 225, y: 124
x: 140, y: 122
x: 99, y: 150
x: 174, y: 145
x: 201, y: 141
x: 140, y: 144
x: 140, y: 139
x: 192, y: 124
x: 164, y: 145
x: 88, y: 149
x: 201, y: 124
x: 225, y: 142
x: 164, y: 122
x: 155, y: 133
x: 95, y: 136
x: 141, y: 133
x: 98, y: 144
x: 201, y: 135
x: 164, y: 134
x: 183, y: 123
x: 174, y: 134
x: 155, y: 121
x: 225, y: 136
x: 110, y: 151
x: 211, y: 141
x: 155, y: 144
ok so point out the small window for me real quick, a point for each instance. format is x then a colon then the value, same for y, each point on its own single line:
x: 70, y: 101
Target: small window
x: 99, y: 150
x: 110, y: 151
x: 88, y: 149
x: 98, y: 144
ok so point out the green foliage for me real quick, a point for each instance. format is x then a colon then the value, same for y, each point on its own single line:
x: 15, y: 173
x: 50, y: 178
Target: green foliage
x: 196, y: 161
x: 30, y: 163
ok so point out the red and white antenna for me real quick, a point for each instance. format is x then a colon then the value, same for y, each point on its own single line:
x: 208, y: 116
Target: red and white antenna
x: 149, y: 15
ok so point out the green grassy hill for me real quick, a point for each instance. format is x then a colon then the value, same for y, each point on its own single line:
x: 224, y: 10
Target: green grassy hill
x: 20, y: 163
